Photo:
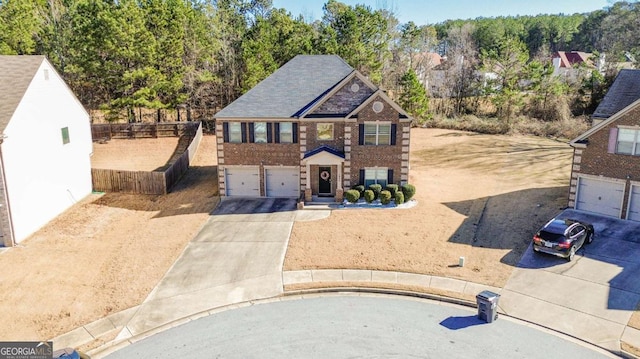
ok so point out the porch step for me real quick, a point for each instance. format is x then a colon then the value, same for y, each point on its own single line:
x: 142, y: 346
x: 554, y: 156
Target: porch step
x: 320, y: 205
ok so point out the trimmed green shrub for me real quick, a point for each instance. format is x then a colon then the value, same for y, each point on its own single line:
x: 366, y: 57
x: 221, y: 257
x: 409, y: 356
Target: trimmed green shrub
x: 408, y: 190
x: 385, y: 197
x: 393, y: 188
x: 376, y: 188
x: 399, y: 198
x: 352, y: 195
x: 369, y: 196
x: 359, y: 188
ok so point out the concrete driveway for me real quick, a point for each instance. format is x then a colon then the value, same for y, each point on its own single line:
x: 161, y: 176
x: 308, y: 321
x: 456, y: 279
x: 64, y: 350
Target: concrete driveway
x: 593, y: 296
x: 236, y: 257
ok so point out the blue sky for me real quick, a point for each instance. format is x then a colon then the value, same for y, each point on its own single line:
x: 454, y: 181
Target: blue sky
x: 431, y: 12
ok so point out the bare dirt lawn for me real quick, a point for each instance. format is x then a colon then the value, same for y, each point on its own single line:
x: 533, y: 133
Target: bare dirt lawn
x: 107, y: 252
x: 479, y: 196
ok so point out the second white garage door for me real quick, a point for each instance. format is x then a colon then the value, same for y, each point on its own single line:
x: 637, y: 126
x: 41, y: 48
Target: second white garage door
x: 282, y: 182
x: 242, y: 181
x: 634, y: 203
x: 598, y: 196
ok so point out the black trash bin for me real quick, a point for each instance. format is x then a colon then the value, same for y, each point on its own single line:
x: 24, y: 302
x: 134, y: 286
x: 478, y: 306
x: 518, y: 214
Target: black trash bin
x: 487, y: 305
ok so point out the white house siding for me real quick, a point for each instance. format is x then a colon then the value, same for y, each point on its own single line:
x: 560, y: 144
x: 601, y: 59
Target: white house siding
x: 45, y: 177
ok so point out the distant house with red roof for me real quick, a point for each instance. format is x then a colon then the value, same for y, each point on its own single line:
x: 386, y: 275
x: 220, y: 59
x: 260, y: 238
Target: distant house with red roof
x: 570, y: 59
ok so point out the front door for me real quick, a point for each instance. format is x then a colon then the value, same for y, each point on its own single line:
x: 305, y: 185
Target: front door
x: 324, y: 180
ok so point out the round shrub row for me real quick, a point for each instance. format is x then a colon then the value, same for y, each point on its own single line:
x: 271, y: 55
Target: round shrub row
x: 369, y: 196
x: 385, y: 197
x: 376, y: 188
x: 359, y: 188
x: 399, y: 198
x: 393, y: 188
x: 352, y: 195
x: 408, y: 190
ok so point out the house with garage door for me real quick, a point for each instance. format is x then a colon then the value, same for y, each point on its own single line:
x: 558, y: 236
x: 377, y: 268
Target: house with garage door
x: 312, y: 129
x: 605, y: 177
x: 45, y: 146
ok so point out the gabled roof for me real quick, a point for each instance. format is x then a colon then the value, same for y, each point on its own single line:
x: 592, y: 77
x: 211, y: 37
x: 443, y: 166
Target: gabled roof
x: 605, y: 123
x: 292, y: 88
x: 324, y: 148
x: 624, y: 91
x: 16, y: 73
x: 568, y: 59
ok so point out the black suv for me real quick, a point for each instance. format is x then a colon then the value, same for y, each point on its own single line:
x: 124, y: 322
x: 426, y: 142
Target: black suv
x: 562, y: 237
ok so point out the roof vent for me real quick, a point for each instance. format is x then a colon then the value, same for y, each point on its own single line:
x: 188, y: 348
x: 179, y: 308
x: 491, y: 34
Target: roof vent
x: 377, y: 107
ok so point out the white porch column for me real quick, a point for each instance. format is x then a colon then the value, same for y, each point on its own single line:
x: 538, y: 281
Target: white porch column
x: 308, y: 184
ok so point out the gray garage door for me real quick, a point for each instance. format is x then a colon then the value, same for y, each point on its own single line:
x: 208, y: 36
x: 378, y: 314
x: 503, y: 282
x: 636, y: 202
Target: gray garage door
x: 242, y: 181
x: 282, y: 182
x: 597, y: 196
x: 634, y: 204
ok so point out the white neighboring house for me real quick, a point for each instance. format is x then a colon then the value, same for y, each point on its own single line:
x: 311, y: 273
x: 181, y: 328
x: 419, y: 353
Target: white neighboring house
x: 45, y: 147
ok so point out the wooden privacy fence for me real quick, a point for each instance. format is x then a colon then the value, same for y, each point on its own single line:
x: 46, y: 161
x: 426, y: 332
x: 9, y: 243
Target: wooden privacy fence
x: 107, y: 131
x: 143, y: 182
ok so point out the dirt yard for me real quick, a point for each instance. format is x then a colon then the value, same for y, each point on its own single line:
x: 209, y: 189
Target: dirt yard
x: 479, y: 196
x: 107, y: 252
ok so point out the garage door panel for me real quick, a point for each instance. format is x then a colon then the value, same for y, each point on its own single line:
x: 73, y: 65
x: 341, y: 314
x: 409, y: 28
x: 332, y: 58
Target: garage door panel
x: 598, y: 196
x: 634, y: 204
x: 282, y: 182
x: 242, y: 182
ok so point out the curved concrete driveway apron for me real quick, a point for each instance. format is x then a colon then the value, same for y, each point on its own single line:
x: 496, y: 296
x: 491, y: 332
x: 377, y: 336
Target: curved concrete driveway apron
x: 236, y: 257
x: 592, y: 297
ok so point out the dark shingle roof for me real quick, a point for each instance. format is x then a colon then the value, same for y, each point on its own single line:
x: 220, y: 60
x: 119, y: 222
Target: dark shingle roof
x: 16, y: 73
x: 290, y: 89
x: 623, y: 92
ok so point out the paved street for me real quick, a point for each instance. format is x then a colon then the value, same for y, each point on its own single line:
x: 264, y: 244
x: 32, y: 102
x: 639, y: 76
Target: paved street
x: 363, y: 326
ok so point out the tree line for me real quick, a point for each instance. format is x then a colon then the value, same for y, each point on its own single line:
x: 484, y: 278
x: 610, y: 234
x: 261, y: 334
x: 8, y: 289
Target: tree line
x: 119, y: 55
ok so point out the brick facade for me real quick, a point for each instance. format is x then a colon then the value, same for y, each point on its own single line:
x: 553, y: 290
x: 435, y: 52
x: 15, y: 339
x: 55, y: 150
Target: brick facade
x: 346, y: 158
x: 594, y: 159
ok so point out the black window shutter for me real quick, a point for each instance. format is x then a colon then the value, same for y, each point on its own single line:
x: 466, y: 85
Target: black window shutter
x: 269, y: 132
x: 361, y: 175
x: 225, y: 131
x: 295, y: 132
x: 243, y: 130
x: 361, y: 134
x: 393, y: 134
x: 252, y: 137
x: 389, y: 176
x: 277, y: 131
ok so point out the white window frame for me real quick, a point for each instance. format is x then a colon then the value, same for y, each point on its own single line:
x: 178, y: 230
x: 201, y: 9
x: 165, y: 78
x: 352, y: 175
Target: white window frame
x: 377, y: 138
x: 235, y: 132
x: 259, y: 136
x: 635, y: 145
x: 328, y: 124
x: 286, y: 135
x: 376, y: 175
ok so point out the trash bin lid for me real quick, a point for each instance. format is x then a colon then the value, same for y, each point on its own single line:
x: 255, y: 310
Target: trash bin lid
x: 487, y: 295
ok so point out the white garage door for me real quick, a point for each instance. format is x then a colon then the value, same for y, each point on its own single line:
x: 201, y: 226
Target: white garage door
x: 597, y: 196
x: 282, y: 182
x: 634, y: 204
x: 241, y: 181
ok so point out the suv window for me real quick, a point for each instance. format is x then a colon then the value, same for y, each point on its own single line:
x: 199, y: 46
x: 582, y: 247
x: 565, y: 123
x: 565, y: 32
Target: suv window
x: 575, y: 230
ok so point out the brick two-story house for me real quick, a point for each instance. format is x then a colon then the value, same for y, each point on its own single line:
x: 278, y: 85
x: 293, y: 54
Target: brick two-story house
x: 605, y: 176
x: 314, y: 128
